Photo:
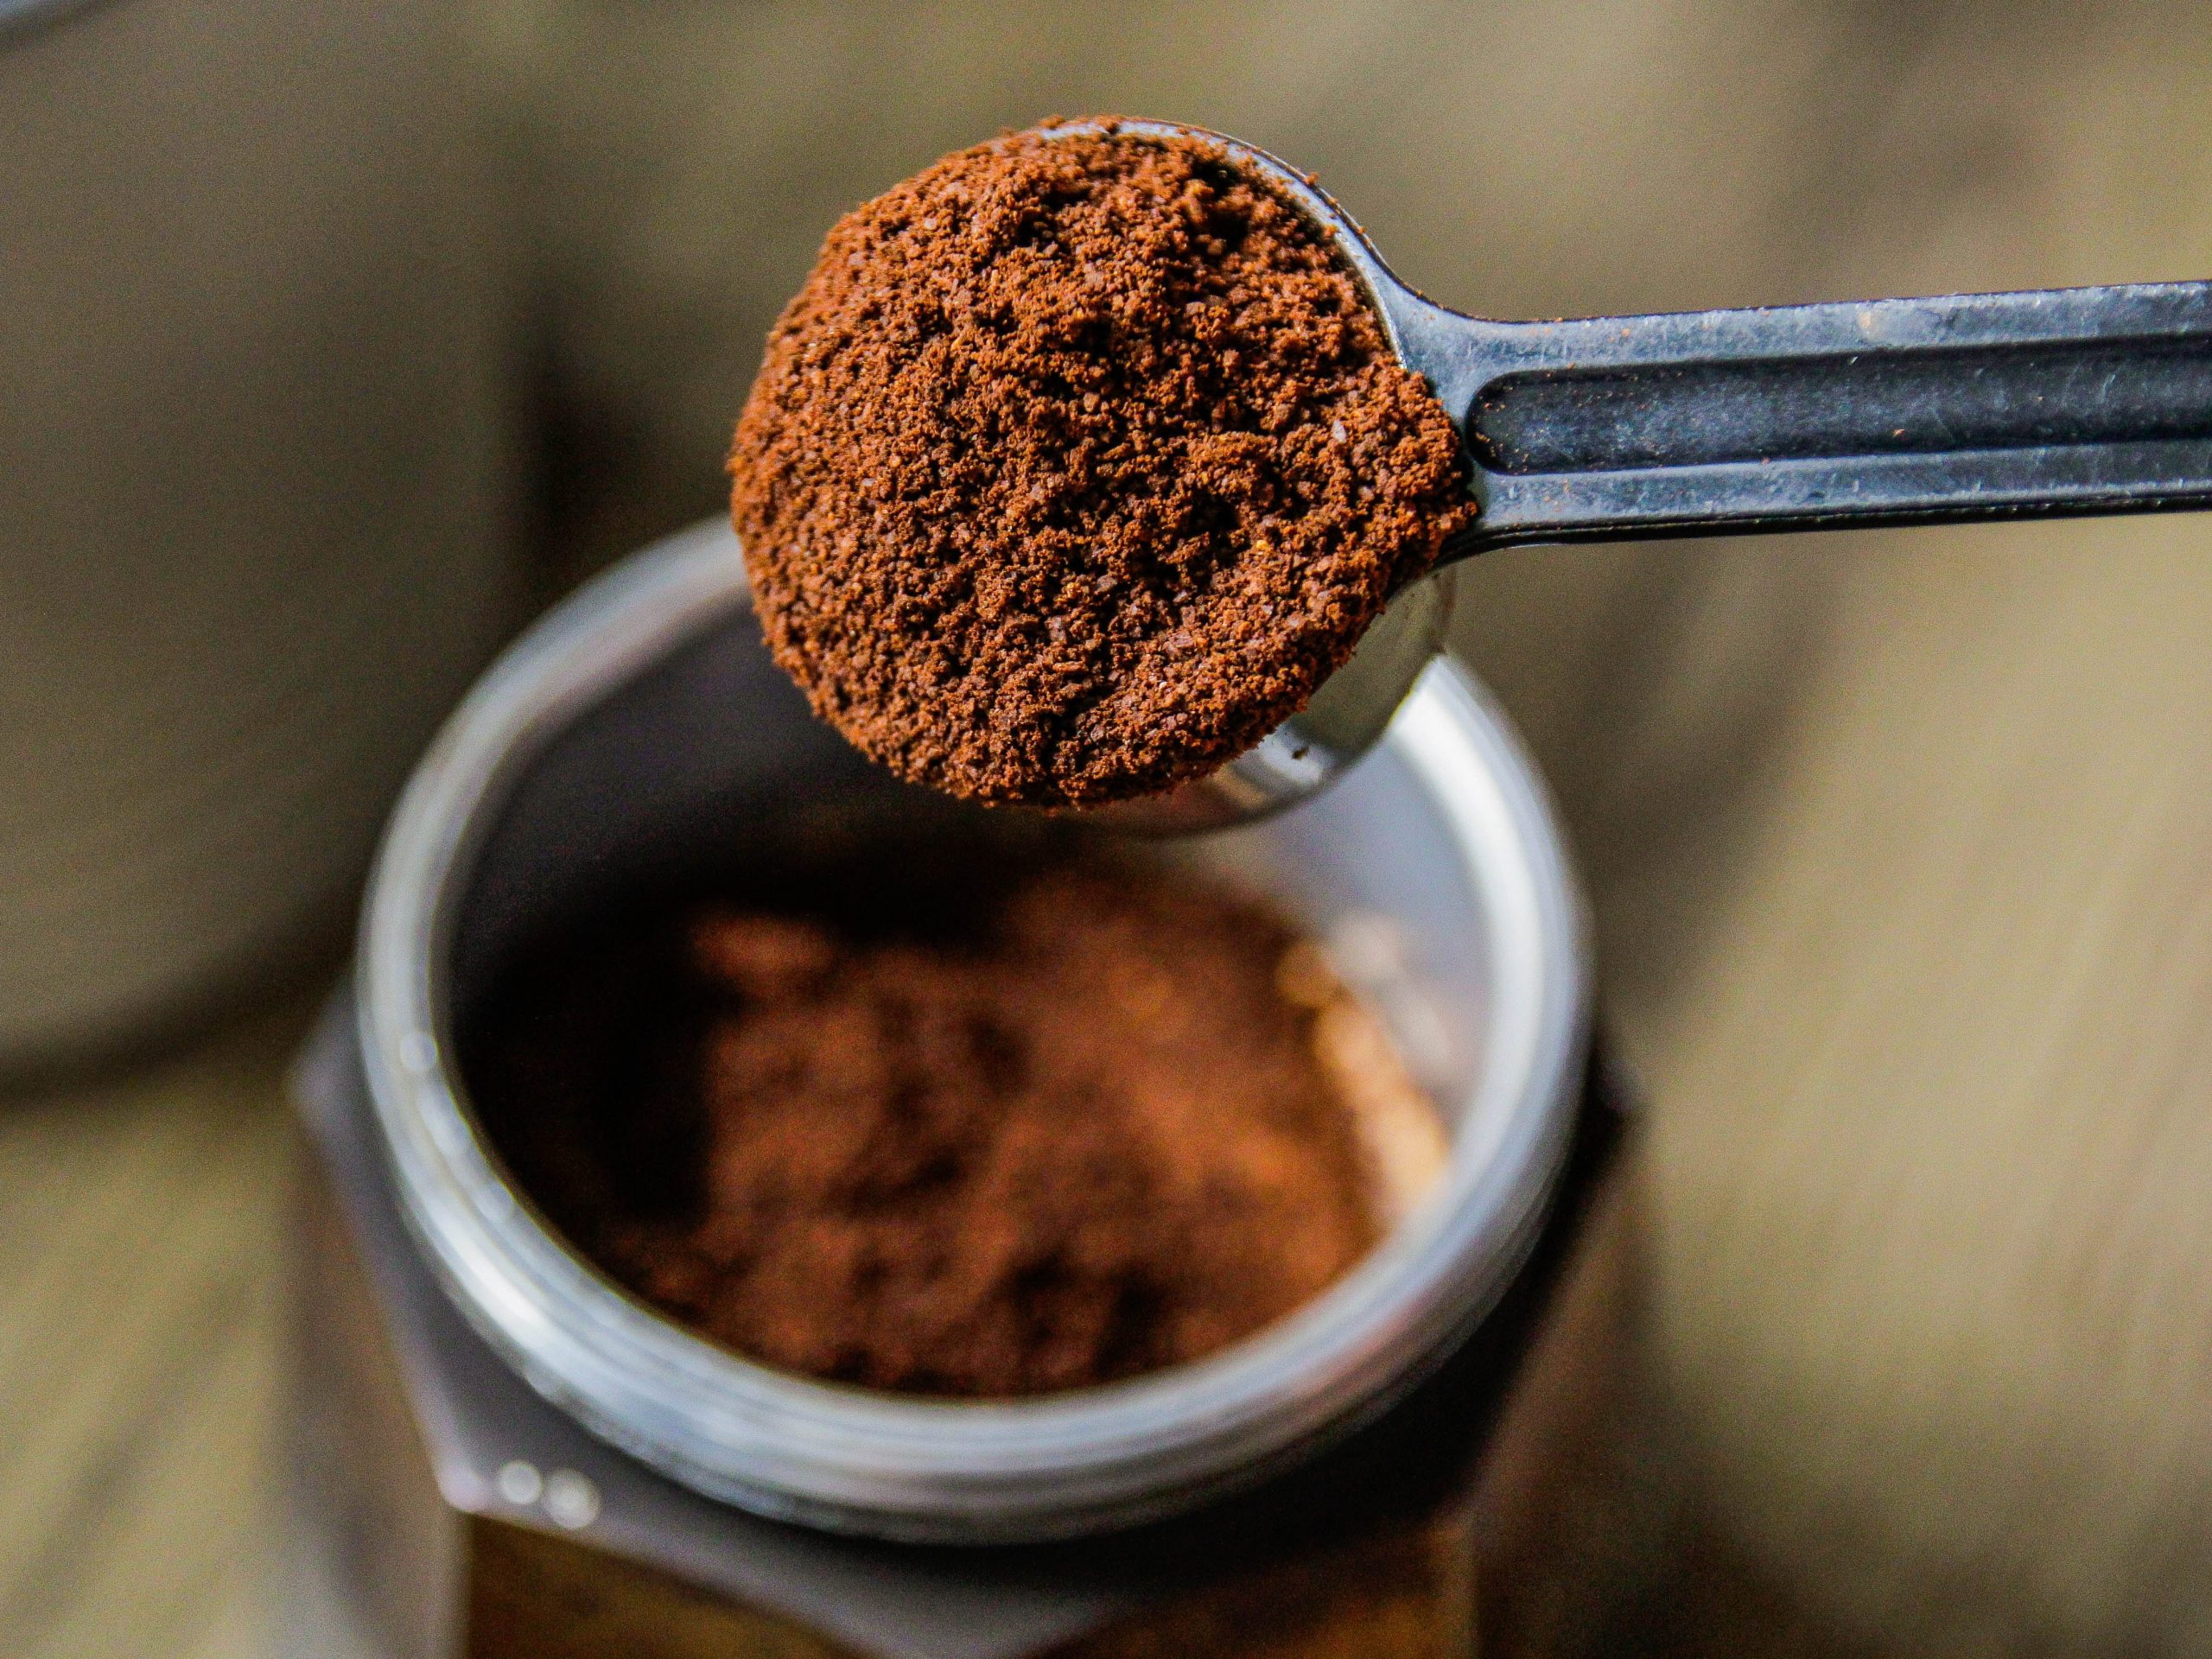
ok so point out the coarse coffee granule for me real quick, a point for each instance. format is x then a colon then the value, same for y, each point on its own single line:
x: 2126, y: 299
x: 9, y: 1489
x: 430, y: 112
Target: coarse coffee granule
x: 979, y: 1134
x: 1076, y: 466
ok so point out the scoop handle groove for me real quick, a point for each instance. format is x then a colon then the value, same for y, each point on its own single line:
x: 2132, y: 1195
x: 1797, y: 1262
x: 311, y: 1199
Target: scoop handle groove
x: 1960, y: 407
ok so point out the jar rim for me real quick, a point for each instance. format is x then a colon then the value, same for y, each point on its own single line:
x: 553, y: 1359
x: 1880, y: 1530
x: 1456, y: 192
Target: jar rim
x: 913, y: 1468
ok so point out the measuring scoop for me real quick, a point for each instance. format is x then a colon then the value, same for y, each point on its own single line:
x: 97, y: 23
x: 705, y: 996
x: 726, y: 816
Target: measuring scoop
x: 1955, y: 409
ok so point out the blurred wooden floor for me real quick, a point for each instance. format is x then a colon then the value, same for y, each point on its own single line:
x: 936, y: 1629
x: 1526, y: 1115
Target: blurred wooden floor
x: 142, y: 1267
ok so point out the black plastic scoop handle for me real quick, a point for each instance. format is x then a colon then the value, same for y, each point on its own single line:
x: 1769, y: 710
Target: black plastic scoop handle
x: 2090, y: 400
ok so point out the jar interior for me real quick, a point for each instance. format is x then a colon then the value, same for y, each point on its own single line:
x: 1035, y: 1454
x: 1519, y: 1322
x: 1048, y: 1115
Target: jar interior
x: 709, y: 755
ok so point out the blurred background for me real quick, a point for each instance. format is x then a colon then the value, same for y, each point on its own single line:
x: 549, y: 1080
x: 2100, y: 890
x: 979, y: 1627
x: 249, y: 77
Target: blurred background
x: 339, y: 339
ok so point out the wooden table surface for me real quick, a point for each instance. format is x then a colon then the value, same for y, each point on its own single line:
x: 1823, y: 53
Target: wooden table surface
x: 142, y: 1269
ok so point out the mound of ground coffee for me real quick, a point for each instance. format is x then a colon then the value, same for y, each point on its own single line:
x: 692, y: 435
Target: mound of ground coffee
x: 966, y: 1134
x: 1076, y: 466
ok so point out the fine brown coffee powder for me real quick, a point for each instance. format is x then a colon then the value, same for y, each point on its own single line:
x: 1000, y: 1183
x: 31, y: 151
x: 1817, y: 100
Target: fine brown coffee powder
x: 1076, y: 466
x: 971, y: 1132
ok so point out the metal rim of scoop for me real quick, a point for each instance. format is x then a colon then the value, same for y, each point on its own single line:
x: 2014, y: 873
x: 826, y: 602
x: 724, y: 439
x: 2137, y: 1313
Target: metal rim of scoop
x: 869, y: 1463
x: 1322, y: 210
x: 1303, y: 755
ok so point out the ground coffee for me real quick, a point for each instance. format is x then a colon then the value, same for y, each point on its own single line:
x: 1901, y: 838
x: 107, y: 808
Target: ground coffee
x: 964, y: 1134
x: 1076, y: 466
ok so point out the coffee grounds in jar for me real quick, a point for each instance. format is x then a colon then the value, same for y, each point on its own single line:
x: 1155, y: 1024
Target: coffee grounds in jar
x: 1076, y: 466
x: 1084, y: 1123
